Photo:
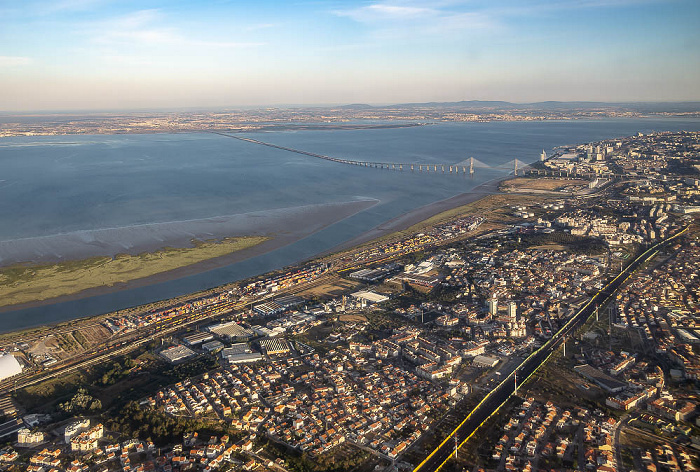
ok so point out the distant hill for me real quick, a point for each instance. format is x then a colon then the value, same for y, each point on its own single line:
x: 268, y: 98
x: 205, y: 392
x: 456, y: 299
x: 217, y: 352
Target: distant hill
x: 462, y: 104
x: 356, y: 106
x: 643, y: 107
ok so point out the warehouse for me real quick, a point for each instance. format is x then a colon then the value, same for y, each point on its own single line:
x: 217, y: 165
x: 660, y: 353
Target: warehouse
x: 231, y: 331
x: 197, y: 338
x: 485, y: 361
x: 177, y: 354
x: 9, y: 366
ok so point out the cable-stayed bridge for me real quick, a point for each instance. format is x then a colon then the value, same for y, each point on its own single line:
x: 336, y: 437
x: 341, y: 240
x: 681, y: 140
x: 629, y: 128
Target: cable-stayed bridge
x: 467, y: 166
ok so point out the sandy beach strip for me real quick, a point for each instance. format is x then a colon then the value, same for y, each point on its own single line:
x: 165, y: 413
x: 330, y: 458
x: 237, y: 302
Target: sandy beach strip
x: 292, y: 222
x: 298, y: 223
x: 282, y: 227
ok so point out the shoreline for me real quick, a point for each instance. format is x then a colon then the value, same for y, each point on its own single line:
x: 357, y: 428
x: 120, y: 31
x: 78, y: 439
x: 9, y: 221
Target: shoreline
x: 421, y: 214
x: 278, y: 241
x: 151, y: 237
x: 329, y: 214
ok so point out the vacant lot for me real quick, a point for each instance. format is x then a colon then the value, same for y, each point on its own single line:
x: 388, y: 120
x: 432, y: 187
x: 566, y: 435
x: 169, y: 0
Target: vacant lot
x: 352, y: 318
x: 524, y: 184
x: 334, y: 287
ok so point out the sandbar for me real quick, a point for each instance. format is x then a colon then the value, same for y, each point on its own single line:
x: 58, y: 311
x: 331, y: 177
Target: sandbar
x: 278, y: 227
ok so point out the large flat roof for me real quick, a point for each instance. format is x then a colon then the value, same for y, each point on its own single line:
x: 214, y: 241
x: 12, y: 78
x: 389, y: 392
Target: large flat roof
x: 9, y: 366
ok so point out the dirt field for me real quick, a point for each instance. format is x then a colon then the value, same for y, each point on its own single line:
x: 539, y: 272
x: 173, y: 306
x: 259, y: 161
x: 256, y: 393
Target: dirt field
x: 496, y: 209
x: 335, y: 287
x: 352, y: 318
x: 541, y: 183
x: 550, y: 247
x: 20, y: 284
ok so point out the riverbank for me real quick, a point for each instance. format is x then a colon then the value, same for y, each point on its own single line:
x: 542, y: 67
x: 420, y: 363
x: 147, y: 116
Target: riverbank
x: 423, y: 216
x: 420, y: 217
x: 34, y: 285
x: 24, y: 284
x: 483, y: 199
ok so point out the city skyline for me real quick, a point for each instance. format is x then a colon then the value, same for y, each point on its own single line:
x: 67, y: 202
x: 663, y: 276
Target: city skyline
x: 98, y: 54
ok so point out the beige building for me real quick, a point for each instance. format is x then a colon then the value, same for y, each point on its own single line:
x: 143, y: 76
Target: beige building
x: 27, y: 437
x: 87, y: 440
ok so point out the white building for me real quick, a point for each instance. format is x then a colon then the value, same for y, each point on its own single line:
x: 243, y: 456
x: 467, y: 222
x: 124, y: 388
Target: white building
x: 177, y: 353
x: 27, y: 437
x: 87, y: 440
x: 369, y: 296
x: 9, y: 366
x: 493, y: 306
x: 75, y: 428
x: 485, y: 361
x: 513, y: 311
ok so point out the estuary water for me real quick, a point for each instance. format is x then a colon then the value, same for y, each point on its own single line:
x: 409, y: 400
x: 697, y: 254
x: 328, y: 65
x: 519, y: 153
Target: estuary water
x: 108, y: 194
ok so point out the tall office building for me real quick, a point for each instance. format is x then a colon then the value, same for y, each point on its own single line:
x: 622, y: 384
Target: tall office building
x: 493, y: 306
x: 513, y: 311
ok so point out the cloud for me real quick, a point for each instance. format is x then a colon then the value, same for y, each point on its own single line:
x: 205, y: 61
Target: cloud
x: 49, y: 7
x: 547, y: 6
x: 141, y: 28
x: 385, y: 11
x: 432, y: 18
x: 260, y: 26
x: 14, y: 61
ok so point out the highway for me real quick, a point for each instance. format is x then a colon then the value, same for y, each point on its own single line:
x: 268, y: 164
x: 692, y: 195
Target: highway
x: 497, y: 397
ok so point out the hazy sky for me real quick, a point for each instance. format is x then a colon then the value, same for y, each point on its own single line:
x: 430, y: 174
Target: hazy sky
x: 97, y: 54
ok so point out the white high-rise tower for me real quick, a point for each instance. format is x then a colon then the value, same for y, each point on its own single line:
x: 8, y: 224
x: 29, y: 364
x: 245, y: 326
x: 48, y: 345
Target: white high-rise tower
x: 493, y: 306
x: 512, y: 311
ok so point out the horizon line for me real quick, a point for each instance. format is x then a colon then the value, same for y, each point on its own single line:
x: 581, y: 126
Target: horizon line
x: 173, y: 109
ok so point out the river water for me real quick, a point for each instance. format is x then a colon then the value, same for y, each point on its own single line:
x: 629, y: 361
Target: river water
x: 58, y: 187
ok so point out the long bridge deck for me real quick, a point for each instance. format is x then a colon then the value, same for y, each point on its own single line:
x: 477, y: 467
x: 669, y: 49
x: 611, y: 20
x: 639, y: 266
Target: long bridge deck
x: 397, y: 166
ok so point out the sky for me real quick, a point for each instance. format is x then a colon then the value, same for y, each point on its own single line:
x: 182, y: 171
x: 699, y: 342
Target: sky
x: 145, y: 54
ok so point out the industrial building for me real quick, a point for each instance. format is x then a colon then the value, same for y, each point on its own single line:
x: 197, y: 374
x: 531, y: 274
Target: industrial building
x: 197, y: 338
x: 231, y: 331
x: 9, y: 366
x: 609, y: 384
x: 485, y: 361
x: 177, y: 353
x: 369, y: 297
x: 212, y: 346
x: 277, y: 306
x: 240, y: 353
x: 275, y: 346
